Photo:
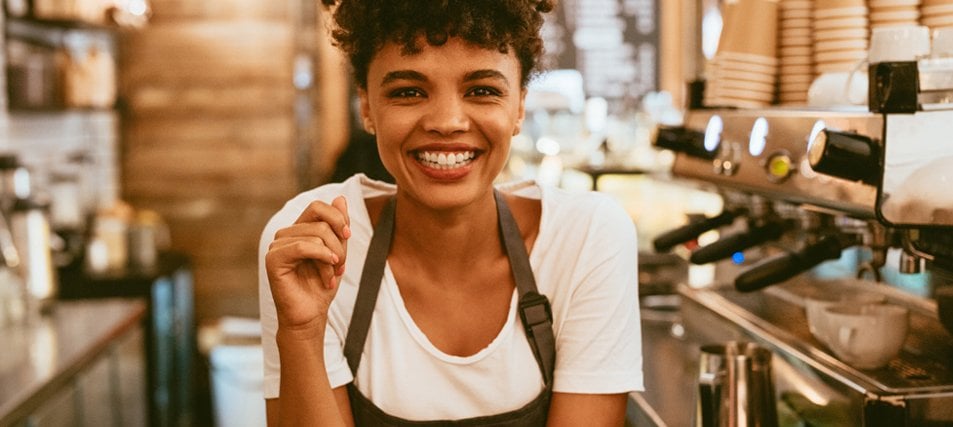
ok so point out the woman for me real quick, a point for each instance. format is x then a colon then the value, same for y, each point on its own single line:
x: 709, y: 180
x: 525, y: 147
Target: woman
x: 453, y: 320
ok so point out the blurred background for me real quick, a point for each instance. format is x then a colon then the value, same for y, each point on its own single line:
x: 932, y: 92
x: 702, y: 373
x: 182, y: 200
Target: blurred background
x: 154, y: 138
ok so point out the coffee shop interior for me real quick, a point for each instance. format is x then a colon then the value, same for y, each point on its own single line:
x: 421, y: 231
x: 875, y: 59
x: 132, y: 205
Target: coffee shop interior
x: 786, y: 164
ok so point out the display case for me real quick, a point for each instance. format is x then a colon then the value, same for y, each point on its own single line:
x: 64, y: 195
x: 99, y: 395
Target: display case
x: 170, y: 327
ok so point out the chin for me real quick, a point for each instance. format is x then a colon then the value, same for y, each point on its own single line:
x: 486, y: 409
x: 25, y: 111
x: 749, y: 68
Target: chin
x: 449, y: 196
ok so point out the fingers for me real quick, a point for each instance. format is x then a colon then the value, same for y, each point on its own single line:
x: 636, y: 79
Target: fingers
x: 328, y: 278
x: 290, y: 251
x: 304, y: 259
x: 319, y: 235
x: 318, y: 231
x: 334, y: 214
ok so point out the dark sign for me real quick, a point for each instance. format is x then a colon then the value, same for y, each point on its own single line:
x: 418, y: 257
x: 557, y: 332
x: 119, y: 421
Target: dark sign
x: 613, y: 43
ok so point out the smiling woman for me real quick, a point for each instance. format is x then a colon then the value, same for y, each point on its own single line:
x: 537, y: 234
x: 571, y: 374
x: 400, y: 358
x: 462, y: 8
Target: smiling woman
x: 444, y: 298
x: 453, y: 100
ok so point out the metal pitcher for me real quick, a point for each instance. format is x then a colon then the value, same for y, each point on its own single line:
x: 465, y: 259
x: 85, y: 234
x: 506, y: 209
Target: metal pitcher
x: 735, y: 387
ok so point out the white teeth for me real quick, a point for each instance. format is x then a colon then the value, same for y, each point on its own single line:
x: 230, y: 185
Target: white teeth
x: 443, y: 160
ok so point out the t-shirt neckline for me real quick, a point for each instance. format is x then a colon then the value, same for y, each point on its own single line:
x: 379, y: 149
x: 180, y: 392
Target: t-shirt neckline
x: 506, y: 332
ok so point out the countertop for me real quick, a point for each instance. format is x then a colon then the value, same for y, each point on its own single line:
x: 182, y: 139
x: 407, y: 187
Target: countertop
x: 42, y: 355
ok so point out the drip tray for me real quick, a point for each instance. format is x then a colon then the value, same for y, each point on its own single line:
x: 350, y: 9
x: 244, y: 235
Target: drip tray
x: 776, y: 316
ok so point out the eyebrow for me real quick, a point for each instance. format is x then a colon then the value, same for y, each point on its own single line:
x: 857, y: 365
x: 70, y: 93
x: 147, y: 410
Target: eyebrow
x: 402, y: 75
x: 416, y: 76
x: 485, y: 74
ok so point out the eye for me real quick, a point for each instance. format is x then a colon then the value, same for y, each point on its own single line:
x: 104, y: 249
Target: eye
x: 485, y: 91
x: 406, y: 92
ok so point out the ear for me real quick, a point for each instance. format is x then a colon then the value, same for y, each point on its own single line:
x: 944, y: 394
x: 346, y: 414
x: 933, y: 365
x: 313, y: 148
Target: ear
x: 366, y: 112
x: 521, y: 115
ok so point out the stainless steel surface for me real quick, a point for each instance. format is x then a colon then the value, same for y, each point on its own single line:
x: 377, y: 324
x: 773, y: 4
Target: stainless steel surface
x: 936, y: 74
x: 920, y: 379
x: 916, y: 174
x: 788, y: 132
x: 674, y: 329
x: 776, y: 316
x: 735, y: 386
x: 813, y: 385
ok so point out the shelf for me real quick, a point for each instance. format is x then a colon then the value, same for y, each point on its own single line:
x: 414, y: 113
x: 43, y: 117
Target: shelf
x: 64, y: 24
x: 54, y: 33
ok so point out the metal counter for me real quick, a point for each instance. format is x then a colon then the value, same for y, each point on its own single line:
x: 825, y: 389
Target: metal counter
x: 45, y: 355
x: 916, y: 388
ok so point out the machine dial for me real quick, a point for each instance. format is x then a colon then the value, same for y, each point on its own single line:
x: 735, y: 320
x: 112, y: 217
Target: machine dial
x: 845, y: 155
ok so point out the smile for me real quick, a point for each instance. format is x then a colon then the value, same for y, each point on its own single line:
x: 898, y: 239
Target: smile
x: 445, y: 160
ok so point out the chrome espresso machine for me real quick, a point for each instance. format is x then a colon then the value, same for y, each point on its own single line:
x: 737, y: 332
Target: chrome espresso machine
x: 816, y: 203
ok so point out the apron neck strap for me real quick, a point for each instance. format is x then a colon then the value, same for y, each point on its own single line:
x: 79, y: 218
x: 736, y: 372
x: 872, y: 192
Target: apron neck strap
x: 534, y: 309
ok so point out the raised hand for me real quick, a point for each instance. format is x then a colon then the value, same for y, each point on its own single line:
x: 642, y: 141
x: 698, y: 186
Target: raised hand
x: 305, y: 263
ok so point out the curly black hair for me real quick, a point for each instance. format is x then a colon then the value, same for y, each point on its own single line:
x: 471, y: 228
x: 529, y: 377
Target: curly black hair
x: 362, y: 27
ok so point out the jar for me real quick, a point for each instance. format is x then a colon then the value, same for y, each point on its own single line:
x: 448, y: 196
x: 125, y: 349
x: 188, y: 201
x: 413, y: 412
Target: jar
x: 30, y: 229
x: 146, y: 235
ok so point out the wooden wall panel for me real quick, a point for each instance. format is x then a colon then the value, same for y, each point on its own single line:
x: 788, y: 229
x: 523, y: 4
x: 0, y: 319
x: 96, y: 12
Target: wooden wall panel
x: 208, y: 135
x: 178, y: 10
x: 215, y: 53
x: 231, y: 294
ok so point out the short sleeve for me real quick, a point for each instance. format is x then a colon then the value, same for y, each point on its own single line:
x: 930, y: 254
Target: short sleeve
x: 268, y: 314
x: 335, y: 363
x: 599, y: 341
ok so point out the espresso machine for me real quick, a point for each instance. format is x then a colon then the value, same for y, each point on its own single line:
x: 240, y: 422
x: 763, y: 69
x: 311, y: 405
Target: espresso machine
x: 816, y: 202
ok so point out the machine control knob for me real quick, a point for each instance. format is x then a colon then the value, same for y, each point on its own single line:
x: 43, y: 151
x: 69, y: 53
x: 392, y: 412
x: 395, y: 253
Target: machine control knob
x: 682, y: 140
x: 845, y: 155
x: 779, y: 166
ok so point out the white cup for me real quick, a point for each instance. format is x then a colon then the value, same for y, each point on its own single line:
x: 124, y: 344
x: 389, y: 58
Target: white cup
x: 867, y: 336
x: 899, y: 43
x: 817, y: 318
x: 942, y: 43
x: 841, y: 88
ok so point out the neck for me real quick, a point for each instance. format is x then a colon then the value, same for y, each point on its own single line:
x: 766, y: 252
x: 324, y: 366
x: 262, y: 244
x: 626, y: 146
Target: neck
x: 447, y: 240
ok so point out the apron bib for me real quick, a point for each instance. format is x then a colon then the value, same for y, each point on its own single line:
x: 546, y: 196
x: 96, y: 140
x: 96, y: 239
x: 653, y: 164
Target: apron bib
x: 534, y: 312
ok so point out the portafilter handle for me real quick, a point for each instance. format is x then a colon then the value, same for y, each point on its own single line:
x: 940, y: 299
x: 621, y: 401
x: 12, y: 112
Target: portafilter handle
x: 727, y: 246
x: 783, y: 267
x: 668, y: 240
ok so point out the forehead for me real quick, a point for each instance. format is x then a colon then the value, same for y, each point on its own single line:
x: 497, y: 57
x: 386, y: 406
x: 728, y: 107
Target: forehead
x: 455, y: 57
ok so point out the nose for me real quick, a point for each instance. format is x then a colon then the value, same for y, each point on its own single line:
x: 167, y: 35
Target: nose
x: 446, y: 115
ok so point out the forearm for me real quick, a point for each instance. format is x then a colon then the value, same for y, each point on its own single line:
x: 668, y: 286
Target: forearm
x: 306, y: 397
x: 569, y: 409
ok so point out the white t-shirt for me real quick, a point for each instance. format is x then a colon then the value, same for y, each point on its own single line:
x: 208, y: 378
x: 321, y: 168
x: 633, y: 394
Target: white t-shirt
x: 584, y: 260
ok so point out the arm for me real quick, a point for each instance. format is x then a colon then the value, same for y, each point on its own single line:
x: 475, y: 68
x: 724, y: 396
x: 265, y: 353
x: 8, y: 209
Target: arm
x: 272, y: 407
x: 304, y: 264
x: 570, y: 409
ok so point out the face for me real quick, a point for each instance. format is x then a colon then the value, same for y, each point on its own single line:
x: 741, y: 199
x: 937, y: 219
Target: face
x: 443, y: 118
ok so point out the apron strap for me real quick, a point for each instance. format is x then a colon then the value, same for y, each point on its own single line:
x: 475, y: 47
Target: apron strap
x: 534, y: 309
x: 367, y: 293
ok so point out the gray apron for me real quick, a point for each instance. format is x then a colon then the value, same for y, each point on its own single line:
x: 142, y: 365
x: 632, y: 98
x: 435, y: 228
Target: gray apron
x: 534, y: 311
